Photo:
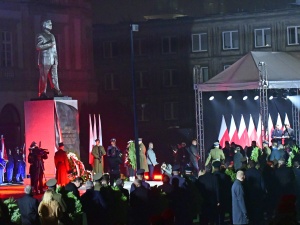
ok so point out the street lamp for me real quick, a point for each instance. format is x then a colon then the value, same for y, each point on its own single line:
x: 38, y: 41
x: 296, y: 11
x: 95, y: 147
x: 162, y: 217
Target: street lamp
x: 134, y: 28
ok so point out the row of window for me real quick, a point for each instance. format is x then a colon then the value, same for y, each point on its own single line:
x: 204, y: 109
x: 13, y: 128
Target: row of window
x: 6, y: 49
x: 171, y: 111
x: 230, y: 41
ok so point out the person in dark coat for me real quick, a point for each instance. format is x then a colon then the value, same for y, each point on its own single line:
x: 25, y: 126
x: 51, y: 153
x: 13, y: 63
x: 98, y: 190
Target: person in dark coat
x: 254, y: 193
x: 166, y: 186
x: 92, y: 204
x: 120, y: 185
x: 239, y: 211
x: 225, y: 196
x: 140, y: 176
x: 176, y: 174
x: 139, y: 202
x: 74, y: 186
x: 19, y: 165
x: 28, y: 206
x: 284, y: 179
x: 194, y: 156
x: 114, y: 160
x: 210, y: 191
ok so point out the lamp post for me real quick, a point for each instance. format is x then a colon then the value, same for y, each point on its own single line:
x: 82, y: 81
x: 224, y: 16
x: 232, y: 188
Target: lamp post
x: 134, y: 28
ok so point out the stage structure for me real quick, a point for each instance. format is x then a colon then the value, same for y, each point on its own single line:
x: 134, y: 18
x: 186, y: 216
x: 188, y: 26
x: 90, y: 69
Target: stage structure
x: 48, y: 122
x: 254, y: 71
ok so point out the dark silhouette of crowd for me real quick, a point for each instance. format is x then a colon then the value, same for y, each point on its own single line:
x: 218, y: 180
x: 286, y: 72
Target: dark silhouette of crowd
x: 245, y: 187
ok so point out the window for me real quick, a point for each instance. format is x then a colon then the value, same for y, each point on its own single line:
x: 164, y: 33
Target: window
x: 199, y: 42
x: 6, y: 49
x: 170, y: 78
x: 110, y: 49
x: 293, y: 33
x: 139, y: 47
x: 142, y: 79
x: 169, y: 45
x: 226, y: 66
x: 171, y: 110
x: 205, y: 75
x: 230, y: 40
x: 143, y: 112
x: 262, y: 37
x: 111, y: 82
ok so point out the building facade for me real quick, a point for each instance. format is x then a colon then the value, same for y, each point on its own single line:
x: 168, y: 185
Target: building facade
x: 165, y: 52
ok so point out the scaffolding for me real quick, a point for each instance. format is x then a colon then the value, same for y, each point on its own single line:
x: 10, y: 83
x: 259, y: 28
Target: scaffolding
x: 296, y: 125
x: 263, y: 100
x: 198, y: 79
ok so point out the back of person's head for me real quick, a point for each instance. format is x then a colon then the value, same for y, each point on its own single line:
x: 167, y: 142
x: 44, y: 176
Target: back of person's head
x: 28, y: 189
x: 175, y: 182
x: 78, y: 179
x: 252, y: 164
x: 166, y: 179
x: 119, y: 182
x: 296, y: 164
x: 89, y: 185
x: 48, y: 196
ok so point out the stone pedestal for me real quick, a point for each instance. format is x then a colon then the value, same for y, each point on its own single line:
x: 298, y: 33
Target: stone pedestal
x: 49, y: 122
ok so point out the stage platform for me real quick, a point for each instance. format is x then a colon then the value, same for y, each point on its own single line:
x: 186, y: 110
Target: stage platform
x: 17, y: 190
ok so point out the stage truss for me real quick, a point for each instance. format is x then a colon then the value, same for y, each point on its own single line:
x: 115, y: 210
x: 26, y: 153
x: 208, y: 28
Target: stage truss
x: 263, y: 104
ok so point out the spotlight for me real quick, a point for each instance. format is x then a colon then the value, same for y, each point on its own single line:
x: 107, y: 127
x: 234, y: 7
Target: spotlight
x: 229, y: 97
x: 211, y: 98
x: 271, y: 97
x: 245, y: 97
x: 285, y: 94
x: 256, y: 97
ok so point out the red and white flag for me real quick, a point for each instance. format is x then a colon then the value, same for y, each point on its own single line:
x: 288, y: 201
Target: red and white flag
x: 279, y: 122
x: 95, y: 128
x: 223, y: 134
x: 243, y: 133
x: 270, y: 128
x: 258, y: 132
x: 251, y: 131
x: 100, y: 131
x: 233, y: 134
x: 91, y: 141
x: 286, y: 120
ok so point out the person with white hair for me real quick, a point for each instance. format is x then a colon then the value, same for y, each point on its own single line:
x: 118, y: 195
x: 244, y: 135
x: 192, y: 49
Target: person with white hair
x: 239, y: 211
x: 28, y: 206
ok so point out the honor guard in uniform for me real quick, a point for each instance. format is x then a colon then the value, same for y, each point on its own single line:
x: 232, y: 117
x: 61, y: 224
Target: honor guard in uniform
x: 98, y: 151
x: 10, y: 167
x: 2, y: 168
x: 62, y: 165
x: 114, y: 160
x: 19, y: 165
x: 216, y: 154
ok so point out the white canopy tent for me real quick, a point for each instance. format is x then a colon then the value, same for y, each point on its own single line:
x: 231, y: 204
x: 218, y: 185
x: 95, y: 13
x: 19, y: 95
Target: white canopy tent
x: 283, y: 71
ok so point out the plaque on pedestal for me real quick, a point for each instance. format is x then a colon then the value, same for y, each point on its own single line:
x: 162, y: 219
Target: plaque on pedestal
x: 50, y: 122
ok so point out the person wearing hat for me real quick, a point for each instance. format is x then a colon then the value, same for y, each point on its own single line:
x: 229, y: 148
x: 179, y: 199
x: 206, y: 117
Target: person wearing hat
x: 62, y: 165
x: 194, y: 156
x: 215, y: 154
x: 143, y: 158
x: 140, y: 176
x: 237, y: 159
x: 51, y: 184
x: 98, y: 151
x: 113, y: 150
x: 176, y: 174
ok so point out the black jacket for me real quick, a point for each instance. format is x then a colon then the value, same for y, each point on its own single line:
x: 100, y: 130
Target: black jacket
x: 28, y: 206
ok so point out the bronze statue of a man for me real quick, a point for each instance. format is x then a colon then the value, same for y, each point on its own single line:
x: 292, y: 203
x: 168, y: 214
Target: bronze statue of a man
x: 47, y: 60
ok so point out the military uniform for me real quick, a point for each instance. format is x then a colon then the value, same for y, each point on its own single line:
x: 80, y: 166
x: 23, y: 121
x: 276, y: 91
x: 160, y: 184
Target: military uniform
x: 10, y: 167
x: 215, y: 154
x: 98, y: 151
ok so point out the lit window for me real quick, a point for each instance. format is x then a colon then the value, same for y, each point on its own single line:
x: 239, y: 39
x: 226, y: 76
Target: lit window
x: 262, y: 37
x: 6, y: 49
x: 110, y: 49
x: 170, y: 78
x: 230, y: 40
x: 171, y: 110
x: 199, y: 42
x: 169, y: 45
x: 111, y: 82
x: 293, y: 35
